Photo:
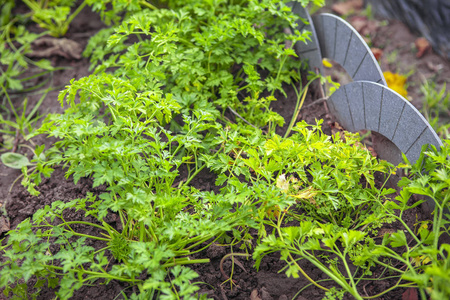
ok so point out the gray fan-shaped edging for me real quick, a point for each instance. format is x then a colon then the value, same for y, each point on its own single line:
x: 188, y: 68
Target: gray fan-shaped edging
x: 367, y: 105
x: 334, y: 38
x: 307, y: 51
x: 339, y: 41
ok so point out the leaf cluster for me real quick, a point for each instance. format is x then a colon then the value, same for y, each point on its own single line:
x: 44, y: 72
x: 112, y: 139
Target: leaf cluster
x: 417, y: 256
x: 133, y: 129
x: 188, y: 88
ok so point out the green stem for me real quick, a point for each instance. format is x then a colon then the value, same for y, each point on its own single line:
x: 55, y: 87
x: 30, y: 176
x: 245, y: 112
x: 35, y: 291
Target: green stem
x: 353, y: 285
x: 339, y: 279
x: 90, y: 236
x: 419, y: 242
x: 397, y: 285
x: 36, y: 106
x: 437, y: 224
x: 195, y: 174
x: 151, y: 232
x: 390, y: 267
x: 141, y: 231
x: 83, y: 223
x: 283, y: 60
x: 148, y: 5
x: 186, y: 261
x: 80, y: 234
x: 306, y: 275
x: 101, y: 250
x: 75, y: 13
x: 298, y: 107
x: 42, y: 73
x: 98, y: 274
x: 198, y: 243
x: 9, y: 101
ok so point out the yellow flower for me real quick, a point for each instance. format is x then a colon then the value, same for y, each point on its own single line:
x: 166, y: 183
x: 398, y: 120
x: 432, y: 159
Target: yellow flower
x: 396, y: 82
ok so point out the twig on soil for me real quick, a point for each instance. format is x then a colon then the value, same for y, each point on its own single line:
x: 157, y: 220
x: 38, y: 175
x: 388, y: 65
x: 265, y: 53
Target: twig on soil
x: 315, y: 102
x: 322, y: 94
x: 177, y: 184
x: 222, y: 291
x: 16, y: 141
x: 364, y: 288
x: 240, y: 117
x: 234, y: 261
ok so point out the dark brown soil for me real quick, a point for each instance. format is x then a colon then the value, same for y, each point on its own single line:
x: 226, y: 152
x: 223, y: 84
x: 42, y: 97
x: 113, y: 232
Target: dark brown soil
x: 265, y: 284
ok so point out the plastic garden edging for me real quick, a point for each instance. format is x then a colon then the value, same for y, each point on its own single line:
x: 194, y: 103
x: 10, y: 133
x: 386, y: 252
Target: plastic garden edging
x: 367, y: 102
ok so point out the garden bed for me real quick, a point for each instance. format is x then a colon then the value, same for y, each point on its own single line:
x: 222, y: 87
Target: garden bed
x: 267, y: 282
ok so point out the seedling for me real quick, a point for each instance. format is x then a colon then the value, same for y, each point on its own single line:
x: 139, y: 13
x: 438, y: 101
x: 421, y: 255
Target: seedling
x: 55, y: 16
x: 24, y: 124
x: 436, y: 107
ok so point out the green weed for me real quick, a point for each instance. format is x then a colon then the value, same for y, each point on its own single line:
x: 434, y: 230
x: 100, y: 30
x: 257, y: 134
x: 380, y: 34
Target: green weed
x: 436, y: 107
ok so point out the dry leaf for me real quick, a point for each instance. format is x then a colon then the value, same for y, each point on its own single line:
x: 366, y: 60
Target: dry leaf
x: 383, y: 231
x: 345, y: 8
x: 433, y: 67
x: 49, y: 46
x: 364, y: 26
x: 307, y: 193
x: 359, y: 23
x: 410, y: 294
x: 377, y: 52
x: 423, y: 46
x: 335, y: 128
x: 254, y: 295
x: 4, y: 224
x: 265, y: 295
x: 282, y: 183
x: 372, y: 151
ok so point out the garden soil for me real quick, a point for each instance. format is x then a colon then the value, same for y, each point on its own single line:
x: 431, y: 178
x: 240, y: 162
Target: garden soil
x: 248, y: 283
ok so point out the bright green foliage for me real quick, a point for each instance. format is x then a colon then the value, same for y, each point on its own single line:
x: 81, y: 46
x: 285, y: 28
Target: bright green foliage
x: 331, y: 180
x: 188, y: 88
x: 6, y: 12
x: 430, y: 177
x: 422, y: 256
x: 134, y: 129
x: 53, y: 16
x: 15, y: 43
x: 206, y: 55
x: 317, y: 243
x: 112, y: 11
x: 56, y: 15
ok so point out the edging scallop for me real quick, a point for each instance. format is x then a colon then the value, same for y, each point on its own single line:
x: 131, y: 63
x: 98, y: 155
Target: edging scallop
x: 367, y: 103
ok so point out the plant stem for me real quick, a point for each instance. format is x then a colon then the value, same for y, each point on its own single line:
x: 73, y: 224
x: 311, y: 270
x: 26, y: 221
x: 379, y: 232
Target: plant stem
x: 186, y: 261
x: 83, y: 223
x: 298, y: 107
x: 195, y: 174
x: 75, y: 13
x: 306, y: 275
x: 148, y: 5
x: 232, y: 257
x: 397, y: 285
